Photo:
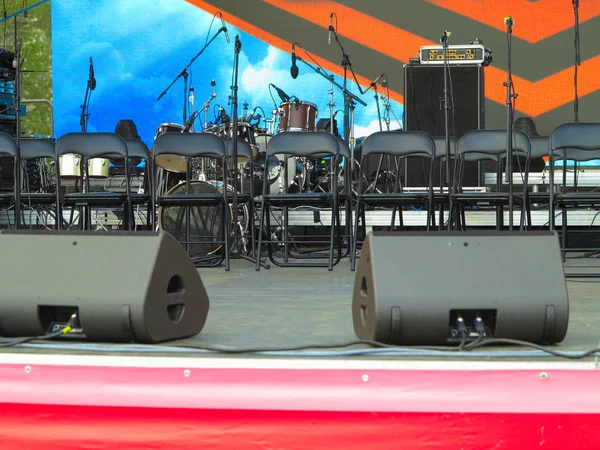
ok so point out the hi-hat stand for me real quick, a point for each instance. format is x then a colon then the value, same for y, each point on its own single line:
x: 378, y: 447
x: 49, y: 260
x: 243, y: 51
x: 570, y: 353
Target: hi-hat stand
x: 234, y: 252
x: 509, y: 22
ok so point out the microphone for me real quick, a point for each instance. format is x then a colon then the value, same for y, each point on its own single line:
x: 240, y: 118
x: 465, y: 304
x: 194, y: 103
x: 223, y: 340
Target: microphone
x: 509, y: 21
x: 374, y: 82
x: 445, y: 35
x: 294, y: 68
x: 282, y: 95
x: 330, y: 28
x: 225, y: 28
x: 213, y: 84
x: 91, y: 78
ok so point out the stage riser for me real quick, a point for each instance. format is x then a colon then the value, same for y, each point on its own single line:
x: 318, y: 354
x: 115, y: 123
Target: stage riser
x: 110, y: 220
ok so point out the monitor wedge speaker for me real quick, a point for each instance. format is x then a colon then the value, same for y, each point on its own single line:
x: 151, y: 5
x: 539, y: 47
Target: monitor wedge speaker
x: 123, y: 287
x: 431, y: 288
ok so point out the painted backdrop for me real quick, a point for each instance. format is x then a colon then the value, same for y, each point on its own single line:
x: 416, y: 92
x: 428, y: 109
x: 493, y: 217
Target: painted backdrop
x: 139, y: 46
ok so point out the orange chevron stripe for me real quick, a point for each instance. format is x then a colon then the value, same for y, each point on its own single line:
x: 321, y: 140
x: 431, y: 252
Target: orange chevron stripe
x: 534, y: 21
x: 535, y: 98
x: 282, y: 44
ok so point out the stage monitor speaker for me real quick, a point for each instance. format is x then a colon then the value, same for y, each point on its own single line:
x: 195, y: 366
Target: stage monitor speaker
x: 124, y: 287
x: 424, y: 111
x: 417, y: 288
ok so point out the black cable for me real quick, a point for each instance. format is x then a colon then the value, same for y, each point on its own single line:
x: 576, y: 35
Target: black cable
x: 462, y: 345
x: 4, y: 343
x: 559, y: 354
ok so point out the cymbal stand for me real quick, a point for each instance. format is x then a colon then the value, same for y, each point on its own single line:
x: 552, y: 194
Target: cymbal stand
x: 331, y: 105
x: 184, y: 74
x: 235, y: 252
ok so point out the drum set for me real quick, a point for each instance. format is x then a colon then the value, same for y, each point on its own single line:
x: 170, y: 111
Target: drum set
x: 302, y: 174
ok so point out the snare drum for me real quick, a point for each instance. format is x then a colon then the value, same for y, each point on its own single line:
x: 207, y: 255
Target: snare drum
x: 172, y: 163
x: 298, y: 116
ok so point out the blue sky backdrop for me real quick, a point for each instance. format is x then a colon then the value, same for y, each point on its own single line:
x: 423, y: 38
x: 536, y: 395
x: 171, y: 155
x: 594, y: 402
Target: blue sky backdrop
x: 139, y: 46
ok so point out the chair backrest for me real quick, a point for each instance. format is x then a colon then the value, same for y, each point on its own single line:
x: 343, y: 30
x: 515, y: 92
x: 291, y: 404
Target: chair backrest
x: 8, y: 146
x: 303, y: 144
x: 137, y: 149
x: 580, y: 141
x: 344, y: 150
x: 243, y: 148
x: 189, y: 145
x: 479, y: 145
x: 92, y: 145
x: 539, y: 146
x: 34, y: 148
x: 401, y: 144
x: 440, y: 146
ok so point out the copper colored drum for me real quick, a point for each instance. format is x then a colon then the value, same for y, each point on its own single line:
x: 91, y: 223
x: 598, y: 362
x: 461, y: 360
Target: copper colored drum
x: 298, y: 116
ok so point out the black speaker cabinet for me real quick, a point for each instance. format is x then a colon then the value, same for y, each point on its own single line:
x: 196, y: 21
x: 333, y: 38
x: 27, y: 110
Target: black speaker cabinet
x: 415, y: 288
x: 125, y: 287
x: 424, y: 111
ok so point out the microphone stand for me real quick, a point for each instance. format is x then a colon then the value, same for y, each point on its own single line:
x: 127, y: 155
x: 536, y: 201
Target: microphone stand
x: 576, y: 81
x: 577, y: 60
x: 509, y: 124
x: 184, y: 74
x: 83, y: 119
x: 235, y: 253
x: 444, y: 42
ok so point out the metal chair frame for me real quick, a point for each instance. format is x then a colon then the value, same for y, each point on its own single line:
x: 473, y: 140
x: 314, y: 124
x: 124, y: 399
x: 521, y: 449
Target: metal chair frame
x: 90, y: 146
x: 194, y: 145
x: 303, y: 145
x: 397, y: 146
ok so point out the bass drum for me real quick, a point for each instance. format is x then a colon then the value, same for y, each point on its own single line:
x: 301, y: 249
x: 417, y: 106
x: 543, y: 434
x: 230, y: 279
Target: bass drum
x: 205, y: 221
x: 172, y: 163
x: 296, y: 171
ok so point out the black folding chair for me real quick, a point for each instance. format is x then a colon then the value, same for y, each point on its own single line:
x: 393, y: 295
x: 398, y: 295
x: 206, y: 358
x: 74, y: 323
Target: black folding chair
x: 441, y: 196
x: 138, y: 150
x: 578, y: 142
x: 8, y: 149
x: 300, y: 145
x: 539, y: 150
x: 36, y: 150
x: 197, y: 201
x: 90, y: 146
x: 482, y: 145
x: 397, y: 146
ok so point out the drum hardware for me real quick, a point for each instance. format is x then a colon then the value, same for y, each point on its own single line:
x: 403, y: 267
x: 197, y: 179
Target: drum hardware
x: 235, y: 253
x: 206, y: 105
x: 205, y: 221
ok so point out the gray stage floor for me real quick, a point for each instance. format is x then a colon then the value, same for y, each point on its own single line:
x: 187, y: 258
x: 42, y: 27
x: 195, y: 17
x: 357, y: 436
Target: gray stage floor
x: 295, y: 307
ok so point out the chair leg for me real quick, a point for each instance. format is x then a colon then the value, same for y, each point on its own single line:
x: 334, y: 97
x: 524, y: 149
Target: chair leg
x: 260, y: 235
x: 225, y: 230
x: 332, y: 234
x: 564, y: 234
